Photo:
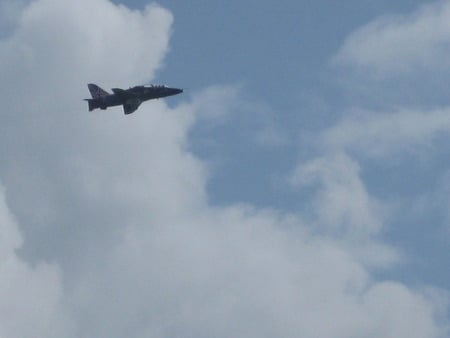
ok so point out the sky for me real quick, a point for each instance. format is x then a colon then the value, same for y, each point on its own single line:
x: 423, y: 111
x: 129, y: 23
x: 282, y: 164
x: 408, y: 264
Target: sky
x: 299, y: 187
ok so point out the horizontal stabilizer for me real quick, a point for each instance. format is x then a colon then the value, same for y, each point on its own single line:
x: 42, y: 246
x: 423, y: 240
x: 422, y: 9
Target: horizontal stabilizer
x: 91, y: 104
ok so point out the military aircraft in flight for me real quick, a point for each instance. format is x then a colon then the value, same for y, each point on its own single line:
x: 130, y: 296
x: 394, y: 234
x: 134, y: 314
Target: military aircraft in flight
x: 130, y: 98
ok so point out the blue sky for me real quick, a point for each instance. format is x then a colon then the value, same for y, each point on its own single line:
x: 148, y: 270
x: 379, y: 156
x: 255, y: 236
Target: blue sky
x: 282, y: 57
x: 298, y: 187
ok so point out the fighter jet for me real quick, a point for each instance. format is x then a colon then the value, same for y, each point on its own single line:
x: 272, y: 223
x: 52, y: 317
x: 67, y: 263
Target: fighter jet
x: 130, y: 98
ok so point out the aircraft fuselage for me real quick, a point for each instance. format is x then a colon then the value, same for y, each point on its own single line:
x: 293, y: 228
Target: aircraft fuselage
x: 130, y: 98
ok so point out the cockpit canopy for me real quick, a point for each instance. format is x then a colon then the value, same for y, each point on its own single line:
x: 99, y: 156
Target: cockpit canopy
x: 154, y: 86
x: 148, y: 86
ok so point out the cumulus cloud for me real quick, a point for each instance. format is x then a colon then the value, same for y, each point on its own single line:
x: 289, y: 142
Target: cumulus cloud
x: 408, y: 140
x: 31, y: 302
x: 381, y: 134
x: 342, y: 208
x: 346, y: 201
x: 115, y: 215
x: 401, y: 44
x: 406, y: 143
x: 396, y: 73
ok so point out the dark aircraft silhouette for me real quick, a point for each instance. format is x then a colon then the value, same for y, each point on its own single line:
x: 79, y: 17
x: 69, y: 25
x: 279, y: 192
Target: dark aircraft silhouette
x: 130, y: 98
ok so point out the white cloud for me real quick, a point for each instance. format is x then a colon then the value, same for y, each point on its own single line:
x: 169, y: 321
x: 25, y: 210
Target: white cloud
x: 343, y: 209
x: 398, y: 302
x: 343, y: 204
x: 120, y: 205
x: 408, y: 54
x: 401, y: 44
x: 382, y: 134
x: 30, y: 297
x: 397, y: 139
x: 239, y: 272
x: 114, y: 44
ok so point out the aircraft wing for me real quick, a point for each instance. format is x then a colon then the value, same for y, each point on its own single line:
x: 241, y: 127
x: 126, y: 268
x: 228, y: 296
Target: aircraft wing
x: 123, y: 93
x: 131, y: 105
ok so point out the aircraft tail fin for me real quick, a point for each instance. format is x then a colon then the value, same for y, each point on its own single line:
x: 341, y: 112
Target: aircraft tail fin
x: 96, y: 91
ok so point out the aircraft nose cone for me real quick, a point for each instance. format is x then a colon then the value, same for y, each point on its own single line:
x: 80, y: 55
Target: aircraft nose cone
x: 174, y: 91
